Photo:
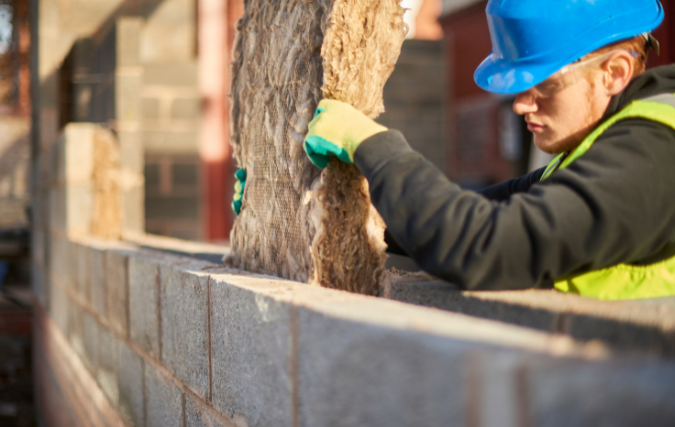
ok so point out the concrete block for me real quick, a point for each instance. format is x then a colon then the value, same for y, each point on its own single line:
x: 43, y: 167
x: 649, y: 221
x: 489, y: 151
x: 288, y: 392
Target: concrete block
x: 60, y: 260
x: 76, y: 330
x: 354, y: 373
x: 79, y: 199
x: 59, y: 308
x: 185, y: 333
x: 164, y: 406
x: 57, y: 208
x: 128, y: 41
x: 80, y: 269
x: 251, y: 356
x: 169, y: 32
x: 78, y: 152
x: 117, y: 264
x: 133, y: 209
x: 150, y: 108
x: 98, y: 276
x: 186, y: 109
x: 131, y: 157
x: 144, y: 303
x: 197, y: 414
x: 171, y: 141
x: 128, y: 88
x: 90, y: 334
x: 131, y: 386
x: 108, y: 371
x: 171, y: 73
x: 573, y: 393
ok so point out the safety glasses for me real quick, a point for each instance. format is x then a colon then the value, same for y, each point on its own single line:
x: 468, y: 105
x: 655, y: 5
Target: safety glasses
x: 569, y: 75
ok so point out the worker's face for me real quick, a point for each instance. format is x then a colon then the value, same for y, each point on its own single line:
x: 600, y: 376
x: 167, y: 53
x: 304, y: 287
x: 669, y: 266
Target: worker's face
x: 565, y: 108
x: 561, y: 122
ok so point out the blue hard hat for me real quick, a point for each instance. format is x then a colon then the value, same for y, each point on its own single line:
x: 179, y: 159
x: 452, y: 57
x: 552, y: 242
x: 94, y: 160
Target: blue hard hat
x: 532, y: 39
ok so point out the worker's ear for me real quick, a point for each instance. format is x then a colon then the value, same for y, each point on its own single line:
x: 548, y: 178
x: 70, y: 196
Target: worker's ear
x: 617, y: 72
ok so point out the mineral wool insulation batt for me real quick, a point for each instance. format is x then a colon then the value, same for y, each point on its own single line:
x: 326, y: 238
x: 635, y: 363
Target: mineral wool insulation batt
x: 297, y: 221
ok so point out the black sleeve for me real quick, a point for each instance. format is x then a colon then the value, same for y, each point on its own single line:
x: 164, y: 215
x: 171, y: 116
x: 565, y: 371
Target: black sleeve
x: 506, y: 189
x: 614, y: 204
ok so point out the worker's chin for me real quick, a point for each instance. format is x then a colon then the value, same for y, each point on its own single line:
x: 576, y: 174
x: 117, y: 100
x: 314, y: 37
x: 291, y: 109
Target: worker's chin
x: 554, y: 144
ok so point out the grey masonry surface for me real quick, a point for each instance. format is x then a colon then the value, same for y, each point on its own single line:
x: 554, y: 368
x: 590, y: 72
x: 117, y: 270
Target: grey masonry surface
x: 131, y: 386
x: 184, y: 310
x: 98, y: 277
x: 117, y: 286
x: 143, y: 303
x: 164, y: 407
x: 251, y: 355
x: 352, y: 374
x: 108, y: 370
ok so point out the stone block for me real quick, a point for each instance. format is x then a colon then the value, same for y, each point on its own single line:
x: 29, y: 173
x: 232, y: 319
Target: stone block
x: 164, y: 406
x: 59, y: 308
x: 251, y: 355
x: 169, y: 32
x: 171, y: 141
x: 76, y: 330
x: 131, y: 157
x: 108, y: 365
x: 57, y: 208
x: 117, y: 265
x: 128, y: 88
x: 80, y: 269
x: 179, y: 73
x: 197, y: 414
x: 150, y: 108
x: 131, y: 388
x: 354, y: 373
x: 97, y: 279
x: 144, y: 303
x: 60, y: 260
x: 574, y: 393
x: 178, y: 208
x: 79, y: 199
x: 128, y: 41
x: 186, y: 109
x: 78, y: 152
x: 90, y: 334
x: 185, y: 332
x: 133, y: 209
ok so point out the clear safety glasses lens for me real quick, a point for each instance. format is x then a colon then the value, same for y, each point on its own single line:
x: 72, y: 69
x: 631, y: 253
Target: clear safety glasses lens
x: 569, y: 75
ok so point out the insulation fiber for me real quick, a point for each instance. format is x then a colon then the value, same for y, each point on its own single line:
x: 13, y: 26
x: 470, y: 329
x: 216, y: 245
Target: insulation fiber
x: 297, y: 221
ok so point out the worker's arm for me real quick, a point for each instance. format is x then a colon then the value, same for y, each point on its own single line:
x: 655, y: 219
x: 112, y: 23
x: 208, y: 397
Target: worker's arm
x: 612, y: 205
x: 506, y: 189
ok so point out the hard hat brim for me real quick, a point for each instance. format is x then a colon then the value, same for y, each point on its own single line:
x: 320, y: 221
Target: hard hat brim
x: 509, y: 77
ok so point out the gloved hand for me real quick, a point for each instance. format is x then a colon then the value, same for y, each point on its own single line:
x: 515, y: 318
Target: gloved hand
x: 337, y: 130
x: 239, y: 190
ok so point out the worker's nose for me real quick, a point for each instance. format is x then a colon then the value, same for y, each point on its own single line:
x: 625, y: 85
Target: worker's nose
x: 525, y: 103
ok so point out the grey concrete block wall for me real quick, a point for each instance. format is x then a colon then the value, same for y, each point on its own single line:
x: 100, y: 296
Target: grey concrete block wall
x: 144, y: 303
x: 108, y: 369
x: 131, y: 386
x: 565, y: 393
x: 117, y: 268
x: 98, y: 276
x: 353, y: 375
x: 212, y: 346
x: 164, y: 401
x: 185, y: 325
x: 251, y: 355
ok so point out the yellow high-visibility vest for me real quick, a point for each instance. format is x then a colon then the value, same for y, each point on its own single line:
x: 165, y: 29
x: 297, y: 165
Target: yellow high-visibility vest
x: 623, y: 281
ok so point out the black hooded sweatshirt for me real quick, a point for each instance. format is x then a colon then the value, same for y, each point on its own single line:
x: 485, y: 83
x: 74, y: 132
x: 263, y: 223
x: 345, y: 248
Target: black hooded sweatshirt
x: 615, y: 204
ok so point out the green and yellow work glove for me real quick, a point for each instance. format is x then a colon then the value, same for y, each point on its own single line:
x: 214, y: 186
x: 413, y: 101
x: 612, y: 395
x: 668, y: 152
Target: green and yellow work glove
x: 239, y: 190
x: 337, y: 130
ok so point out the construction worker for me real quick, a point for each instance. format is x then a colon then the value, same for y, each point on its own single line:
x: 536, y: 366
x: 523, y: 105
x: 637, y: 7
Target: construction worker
x: 600, y: 219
